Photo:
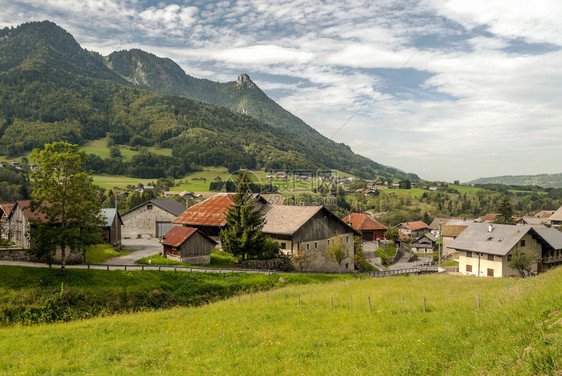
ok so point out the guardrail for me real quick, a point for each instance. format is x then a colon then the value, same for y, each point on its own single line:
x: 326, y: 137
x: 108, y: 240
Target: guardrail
x: 176, y: 268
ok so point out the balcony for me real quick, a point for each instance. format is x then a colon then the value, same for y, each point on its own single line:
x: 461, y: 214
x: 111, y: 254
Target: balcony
x: 550, y: 259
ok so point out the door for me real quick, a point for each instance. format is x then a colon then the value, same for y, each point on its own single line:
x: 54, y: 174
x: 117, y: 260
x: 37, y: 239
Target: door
x: 368, y: 236
x: 490, y: 272
x: 539, y: 266
x: 162, y: 228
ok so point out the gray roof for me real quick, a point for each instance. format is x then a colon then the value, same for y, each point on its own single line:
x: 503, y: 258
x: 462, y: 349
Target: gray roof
x: 434, y: 225
x: 499, y: 241
x: 534, y: 221
x: 108, y: 215
x: 166, y: 204
x: 552, y: 236
x: 287, y: 219
x: 428, y: 235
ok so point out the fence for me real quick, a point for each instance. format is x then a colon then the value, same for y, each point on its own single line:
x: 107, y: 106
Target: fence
x: 175, y: 268
x: 416, y: 270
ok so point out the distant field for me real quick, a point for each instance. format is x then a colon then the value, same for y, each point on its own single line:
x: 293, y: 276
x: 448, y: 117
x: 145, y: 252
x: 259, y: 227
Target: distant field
x: 99, y: 147
x: 464, y: 189
x: 121, y: 181
x: 271, y: 333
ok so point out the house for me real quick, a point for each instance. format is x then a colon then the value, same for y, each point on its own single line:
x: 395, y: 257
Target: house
x: 22, y: 219
x: 369, y: 228
x: 551, y: 241
x: 209, y: 215
x: 188, y: 245
x: 111, y: 232
x: 536, y: 222
x: 556, y: 218
x: 437, y: 225
x: 395, y: 185
x: 544, y: 213
x: 184, y: 194
x: 151, y: 219
x: 308, y: 231
x: 5, y: 210
x: 486, y: 249
x: 432, y: 189
x: 424, y: 244
x: 451, y: 231
x: 412, y: 229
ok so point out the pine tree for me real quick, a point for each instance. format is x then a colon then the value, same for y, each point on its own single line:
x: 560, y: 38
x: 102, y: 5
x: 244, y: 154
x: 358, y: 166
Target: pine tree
x: 242, y: 235
x: 506, y: 211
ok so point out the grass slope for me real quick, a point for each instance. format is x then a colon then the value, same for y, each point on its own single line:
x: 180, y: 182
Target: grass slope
x: 96, y: 254
x: 522, y: 335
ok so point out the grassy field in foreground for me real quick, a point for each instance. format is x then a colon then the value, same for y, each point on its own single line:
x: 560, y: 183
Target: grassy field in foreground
x: 272, y: 334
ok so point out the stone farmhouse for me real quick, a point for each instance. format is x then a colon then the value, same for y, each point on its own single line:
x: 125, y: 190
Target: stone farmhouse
x: 369, y: 228
x: 188, y: 245
x: 486, y: 249
x: 151, y: 219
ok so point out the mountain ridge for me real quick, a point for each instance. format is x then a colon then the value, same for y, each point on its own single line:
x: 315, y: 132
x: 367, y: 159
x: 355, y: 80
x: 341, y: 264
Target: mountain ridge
x: 51, y: 89
x: 543, y: 180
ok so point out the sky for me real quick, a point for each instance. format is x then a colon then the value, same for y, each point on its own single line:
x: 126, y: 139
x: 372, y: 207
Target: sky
x: 447, y: 89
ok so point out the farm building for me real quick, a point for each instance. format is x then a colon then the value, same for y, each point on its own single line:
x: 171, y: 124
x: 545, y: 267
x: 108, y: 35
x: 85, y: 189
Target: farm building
x: 369, y: 228
x: 424, y: 244
x: 111, y: 232
x: 5, y: 210
x: 151, y: 219
x: 451, y: 231
x: 412, y: 229
x: 556, y: 218
x: 308, y: 231
x: 486, y: 249
x: 188, y: 245
x: 209, y: 215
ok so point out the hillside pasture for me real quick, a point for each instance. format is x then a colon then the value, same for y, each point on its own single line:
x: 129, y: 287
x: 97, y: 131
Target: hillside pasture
x: 318, y: 329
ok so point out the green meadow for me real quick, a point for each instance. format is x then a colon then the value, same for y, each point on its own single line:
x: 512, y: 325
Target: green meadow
x: 295, y: 330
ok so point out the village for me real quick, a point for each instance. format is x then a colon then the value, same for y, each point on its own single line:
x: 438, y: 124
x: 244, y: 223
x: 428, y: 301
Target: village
x: 303, y: 233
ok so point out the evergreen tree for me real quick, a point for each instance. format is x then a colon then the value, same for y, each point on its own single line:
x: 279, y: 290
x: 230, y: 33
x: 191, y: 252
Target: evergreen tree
x: 242, y: 235
x: 506, y: 212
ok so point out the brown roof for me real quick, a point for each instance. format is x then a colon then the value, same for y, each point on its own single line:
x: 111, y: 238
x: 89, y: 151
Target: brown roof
x: 210, y: 212
x: 417, y: 225
x: 488, y: 218
x: 178, y: 235
x: 545, y: 213
x: 7, y: 208
x: 363, y: 222
x: 28, y: 213
x: 453, y: 230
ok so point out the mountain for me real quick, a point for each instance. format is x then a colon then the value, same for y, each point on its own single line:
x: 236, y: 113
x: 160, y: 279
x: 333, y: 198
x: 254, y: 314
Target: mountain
x: 151, y: 72
x: 51, y: 89
x: 542, y: 180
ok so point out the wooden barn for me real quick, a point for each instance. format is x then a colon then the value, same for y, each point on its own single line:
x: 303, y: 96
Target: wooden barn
x: 188, y: 245
x: 308, y: 231
x: 111, y: 232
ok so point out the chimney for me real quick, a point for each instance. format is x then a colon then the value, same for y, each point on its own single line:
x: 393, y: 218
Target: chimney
x: 490, y: 228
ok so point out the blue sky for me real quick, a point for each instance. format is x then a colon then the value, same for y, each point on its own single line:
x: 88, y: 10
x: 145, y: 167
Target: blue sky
x: 480, y: 96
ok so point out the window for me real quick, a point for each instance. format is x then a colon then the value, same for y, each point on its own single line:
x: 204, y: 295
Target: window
x: 315, y: 245
x: 307, y: 247
x: 468, y: 254
x: 283, y: 245
x: 491, y: 257
x: 490, y: 273
x: 508, y: 258
x: 347, y: 266
x: 469, y: 268
x: 522, y: 243
x: 149, y: 207
x: 347, y: 239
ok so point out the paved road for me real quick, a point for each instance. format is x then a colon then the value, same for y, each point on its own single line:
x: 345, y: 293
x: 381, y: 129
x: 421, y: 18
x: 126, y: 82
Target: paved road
x: 369, y: 249
x: 403, y: 263
x: 144, y: 248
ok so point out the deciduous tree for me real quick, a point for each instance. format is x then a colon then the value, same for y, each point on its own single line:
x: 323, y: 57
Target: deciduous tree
x: 337, y: 252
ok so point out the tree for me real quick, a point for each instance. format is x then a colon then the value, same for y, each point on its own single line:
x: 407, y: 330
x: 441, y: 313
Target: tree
x: 300, y: 258
x: 506, y: 212
x: 66, y: 196
x: 359, y: 259
x: 337, y: 252
x: 242, y: 235
x: 521, y: 262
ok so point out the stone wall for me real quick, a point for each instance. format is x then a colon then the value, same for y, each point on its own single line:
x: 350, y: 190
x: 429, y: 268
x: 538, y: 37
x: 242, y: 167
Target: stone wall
x: 24, y: 254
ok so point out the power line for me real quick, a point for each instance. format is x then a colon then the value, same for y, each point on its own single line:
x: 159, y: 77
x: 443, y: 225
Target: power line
x: 373, y: 96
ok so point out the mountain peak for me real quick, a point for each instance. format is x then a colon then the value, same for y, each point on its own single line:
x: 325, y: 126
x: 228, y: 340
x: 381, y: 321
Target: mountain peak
x: 244, y: 80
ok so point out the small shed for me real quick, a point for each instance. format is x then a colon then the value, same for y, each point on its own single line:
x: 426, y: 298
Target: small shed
x: 111, y: 232
x: 188, y: 245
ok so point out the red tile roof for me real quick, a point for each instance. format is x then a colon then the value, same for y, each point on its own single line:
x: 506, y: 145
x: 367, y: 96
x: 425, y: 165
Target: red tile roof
x: 177, y: 235
x: 7, y: 208
x: 363, y: 222
x: 210, y: 212
x: 417, y: 225
x: 32, y: 216
x: 489, y: 217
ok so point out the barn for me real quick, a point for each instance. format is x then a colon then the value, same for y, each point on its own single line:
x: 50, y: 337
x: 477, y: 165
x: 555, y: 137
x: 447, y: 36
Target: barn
x: 151, y: 219
x: 188, y: 245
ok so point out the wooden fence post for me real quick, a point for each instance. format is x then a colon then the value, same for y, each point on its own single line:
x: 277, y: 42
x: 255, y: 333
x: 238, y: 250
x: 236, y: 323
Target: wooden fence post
x: 350, y: 303
x: 478, y: 300
x: 332, y: 302
x: 370, y: 308
x: 299, y: 295
x: 424, y: 304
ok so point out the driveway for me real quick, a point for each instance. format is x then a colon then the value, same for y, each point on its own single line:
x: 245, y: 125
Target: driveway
x: 369, y: 249
x: 403, y: 263
x: 143, y: 248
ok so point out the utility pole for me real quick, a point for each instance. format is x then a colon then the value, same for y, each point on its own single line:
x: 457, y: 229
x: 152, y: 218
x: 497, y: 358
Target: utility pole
x: 440, y: 242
